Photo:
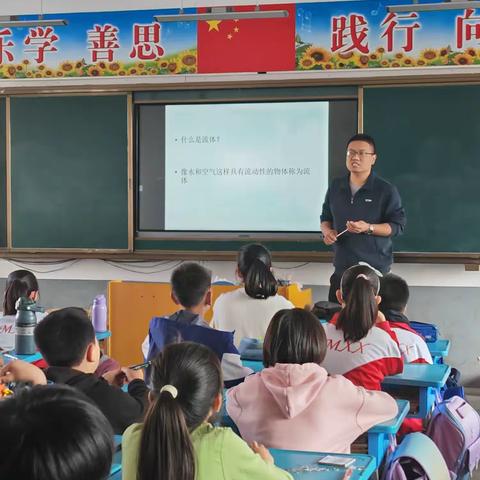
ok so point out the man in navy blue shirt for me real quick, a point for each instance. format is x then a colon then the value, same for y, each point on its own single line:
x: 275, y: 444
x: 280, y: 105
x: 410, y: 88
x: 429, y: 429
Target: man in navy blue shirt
x: 367, y: 208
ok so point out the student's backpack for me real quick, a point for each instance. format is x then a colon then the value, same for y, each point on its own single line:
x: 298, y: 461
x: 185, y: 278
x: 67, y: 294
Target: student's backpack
x: 455, y: 429
x: 428, y: 331
x: 417, y: 458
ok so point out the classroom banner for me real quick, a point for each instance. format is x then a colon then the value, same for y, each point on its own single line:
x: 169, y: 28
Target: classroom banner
x: 345, y: 35
x: 315, y: 36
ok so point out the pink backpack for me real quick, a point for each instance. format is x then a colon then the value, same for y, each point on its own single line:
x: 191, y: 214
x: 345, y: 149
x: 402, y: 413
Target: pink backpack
x: 455, y: 429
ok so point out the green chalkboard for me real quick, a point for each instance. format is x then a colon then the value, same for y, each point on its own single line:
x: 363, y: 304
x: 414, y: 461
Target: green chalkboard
x: 69, y: 172
x: 427, y: 142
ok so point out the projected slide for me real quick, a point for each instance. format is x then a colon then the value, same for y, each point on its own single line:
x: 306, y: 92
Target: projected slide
x: 250, y: 167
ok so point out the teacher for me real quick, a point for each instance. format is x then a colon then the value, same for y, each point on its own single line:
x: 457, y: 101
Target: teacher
x: 367, y: 207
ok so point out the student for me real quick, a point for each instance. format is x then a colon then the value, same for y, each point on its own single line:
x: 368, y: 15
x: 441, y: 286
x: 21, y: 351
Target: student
x: 293, y: 404
x: 52, y: 432
x: 191, y: 289
x: 395, y: 293
x: 248, y: 310
x: 360, y: 343
x: 176, y: 440
x: 67, y: 341
x: 20, y: 283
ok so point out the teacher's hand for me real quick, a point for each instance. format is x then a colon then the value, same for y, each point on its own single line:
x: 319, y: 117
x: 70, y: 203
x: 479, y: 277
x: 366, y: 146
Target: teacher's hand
x: 357, y: 227
x: 329, y: 236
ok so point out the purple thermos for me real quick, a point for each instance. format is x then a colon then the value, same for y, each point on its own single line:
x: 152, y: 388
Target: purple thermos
x: 99, y: 313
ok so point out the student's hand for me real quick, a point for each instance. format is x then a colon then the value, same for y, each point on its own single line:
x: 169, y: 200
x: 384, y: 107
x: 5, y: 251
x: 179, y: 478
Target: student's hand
x: 20, y: 371
x: 132, y: 375
x: 380, y: 318
x: 115, y: 377
x: 357, y: 227
x: 263, y: 452
x: 329, y: 236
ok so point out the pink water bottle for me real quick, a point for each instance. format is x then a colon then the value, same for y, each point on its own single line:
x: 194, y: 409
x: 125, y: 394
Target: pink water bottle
x: 99, y: 313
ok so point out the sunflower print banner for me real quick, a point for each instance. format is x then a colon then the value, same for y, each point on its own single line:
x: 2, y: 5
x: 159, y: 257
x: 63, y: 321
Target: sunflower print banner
x: 350, y: 35
x: 315, y: 36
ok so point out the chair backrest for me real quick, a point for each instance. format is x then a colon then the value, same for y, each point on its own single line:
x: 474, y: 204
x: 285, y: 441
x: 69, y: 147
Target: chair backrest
x: 417, y: 458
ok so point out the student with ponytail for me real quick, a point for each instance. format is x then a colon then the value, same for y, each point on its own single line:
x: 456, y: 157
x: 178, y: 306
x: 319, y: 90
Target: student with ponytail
x: 360, y: 343
x: 248, y: 310
x: 176, y: 442
x: 20, y: 283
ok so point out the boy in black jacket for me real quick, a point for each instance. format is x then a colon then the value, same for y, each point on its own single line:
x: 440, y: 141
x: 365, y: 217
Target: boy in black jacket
x: 67, y: 341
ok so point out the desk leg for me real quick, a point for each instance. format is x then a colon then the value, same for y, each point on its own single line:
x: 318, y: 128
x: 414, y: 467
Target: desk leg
x: 426, y: 401
x: 377, y: 446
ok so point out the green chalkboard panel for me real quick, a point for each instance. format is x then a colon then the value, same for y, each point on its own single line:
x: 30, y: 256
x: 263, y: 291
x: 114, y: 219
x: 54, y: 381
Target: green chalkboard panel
x: 427, y: 142
x: 69, y: 164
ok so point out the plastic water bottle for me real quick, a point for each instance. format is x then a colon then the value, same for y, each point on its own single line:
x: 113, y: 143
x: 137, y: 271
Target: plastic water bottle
x: 99, y: 313
x: 25, y: 323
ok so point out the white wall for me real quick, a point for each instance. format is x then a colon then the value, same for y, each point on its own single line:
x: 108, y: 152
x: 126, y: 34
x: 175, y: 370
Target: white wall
x: 424, y: 275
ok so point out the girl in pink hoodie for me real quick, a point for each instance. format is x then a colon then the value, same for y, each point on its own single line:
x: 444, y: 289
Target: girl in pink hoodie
x: 293, y: 403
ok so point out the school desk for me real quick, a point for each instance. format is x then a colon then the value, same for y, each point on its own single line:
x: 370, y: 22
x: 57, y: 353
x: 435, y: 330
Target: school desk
x: 304, y: 466
x: 439, y: 349
x: 379, y: 435
x: 34, y: 357
x: 426, y: 378
x: 255, y: 365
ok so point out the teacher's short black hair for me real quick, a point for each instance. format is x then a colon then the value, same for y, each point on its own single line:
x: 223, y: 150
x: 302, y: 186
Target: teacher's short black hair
x: 363, y: 137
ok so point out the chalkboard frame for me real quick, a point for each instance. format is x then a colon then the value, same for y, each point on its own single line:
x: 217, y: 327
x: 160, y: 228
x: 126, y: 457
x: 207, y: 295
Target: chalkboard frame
x: 10, y: 248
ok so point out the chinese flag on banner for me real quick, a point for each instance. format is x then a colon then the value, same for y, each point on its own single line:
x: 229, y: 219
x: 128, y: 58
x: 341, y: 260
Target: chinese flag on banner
x: 254, y: 45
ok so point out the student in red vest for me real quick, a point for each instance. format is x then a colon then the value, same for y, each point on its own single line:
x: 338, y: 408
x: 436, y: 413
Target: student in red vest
x: 395, y: 294
x: 360, y: 343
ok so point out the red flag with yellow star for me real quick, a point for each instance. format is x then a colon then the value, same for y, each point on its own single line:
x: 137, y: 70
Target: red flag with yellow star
x: 253, y: 45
